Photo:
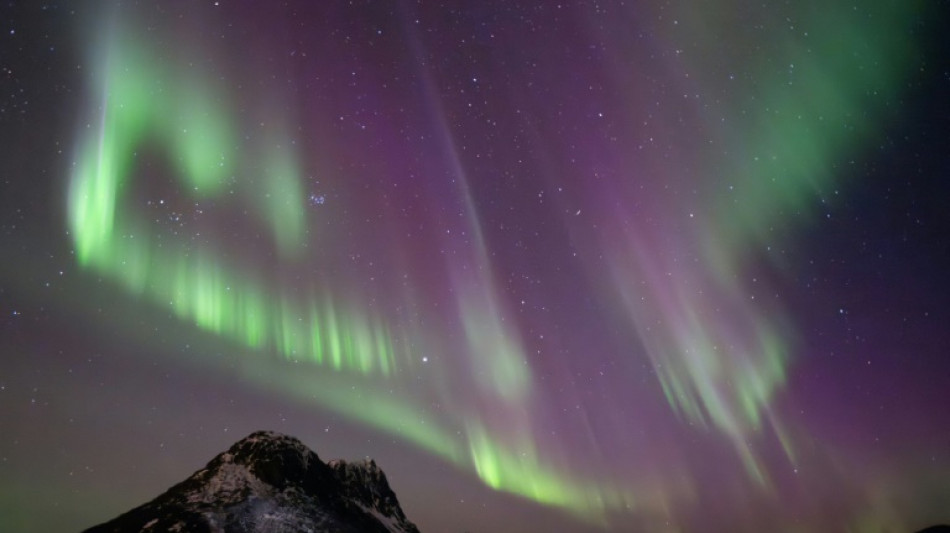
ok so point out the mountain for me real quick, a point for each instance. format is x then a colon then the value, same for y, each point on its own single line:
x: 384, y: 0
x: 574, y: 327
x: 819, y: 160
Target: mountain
x: 268, y: 482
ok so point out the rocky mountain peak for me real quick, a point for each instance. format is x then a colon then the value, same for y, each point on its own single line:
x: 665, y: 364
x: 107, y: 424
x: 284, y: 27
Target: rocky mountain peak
x: 366, y: 483
x: 272, y: 482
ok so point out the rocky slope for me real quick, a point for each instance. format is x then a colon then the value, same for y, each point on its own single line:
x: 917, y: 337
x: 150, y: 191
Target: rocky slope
x: 268, y: 482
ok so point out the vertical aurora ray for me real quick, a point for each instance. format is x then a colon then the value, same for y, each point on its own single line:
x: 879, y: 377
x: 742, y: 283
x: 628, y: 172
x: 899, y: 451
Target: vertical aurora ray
x: 720, y: 343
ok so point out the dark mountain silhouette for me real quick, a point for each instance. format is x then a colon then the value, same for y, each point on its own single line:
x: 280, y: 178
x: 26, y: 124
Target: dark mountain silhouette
x: 268, y: 482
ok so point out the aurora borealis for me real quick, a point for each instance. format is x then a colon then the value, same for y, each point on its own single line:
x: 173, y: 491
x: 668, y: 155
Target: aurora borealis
x: 577, y: 266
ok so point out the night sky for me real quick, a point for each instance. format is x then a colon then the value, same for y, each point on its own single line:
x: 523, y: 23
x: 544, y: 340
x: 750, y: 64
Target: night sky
x: 576, y: 266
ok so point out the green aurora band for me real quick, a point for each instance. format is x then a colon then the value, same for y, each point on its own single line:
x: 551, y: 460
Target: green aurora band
x: 142, y: 106
x: 720, y: 370
x: 722, y: 357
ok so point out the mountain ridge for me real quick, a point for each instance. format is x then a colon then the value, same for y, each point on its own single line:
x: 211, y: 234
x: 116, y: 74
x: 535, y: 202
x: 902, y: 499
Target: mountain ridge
x: 273, y: 483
